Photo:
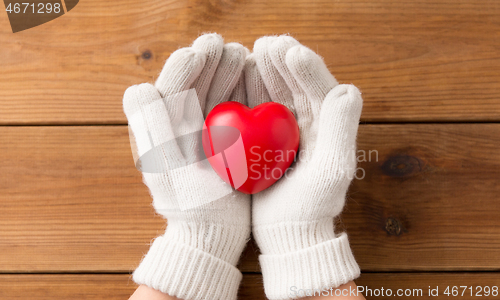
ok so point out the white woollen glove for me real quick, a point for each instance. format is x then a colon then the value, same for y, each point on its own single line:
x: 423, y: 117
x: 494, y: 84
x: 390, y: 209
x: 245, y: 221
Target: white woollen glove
x: 293, y: 220
x: 197, y: 255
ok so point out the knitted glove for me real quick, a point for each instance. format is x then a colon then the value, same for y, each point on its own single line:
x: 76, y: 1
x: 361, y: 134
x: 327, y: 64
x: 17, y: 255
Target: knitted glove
x: 293, y: 219
x: 197, y: 255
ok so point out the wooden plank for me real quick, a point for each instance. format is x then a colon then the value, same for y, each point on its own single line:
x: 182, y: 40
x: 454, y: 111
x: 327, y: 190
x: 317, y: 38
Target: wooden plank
x: 120, y: 286
x: 66, y: 286
x: 93, y: 286
x: 418, y: 285
x: 430, y: 202
x: 71, y: 200
x: 426, y: 60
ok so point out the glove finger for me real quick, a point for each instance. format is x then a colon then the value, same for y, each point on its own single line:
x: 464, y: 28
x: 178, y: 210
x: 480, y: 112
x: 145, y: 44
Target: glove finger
x: 180, y: 71
x: 150, y: 124
x: 338, y: 127
x: 278, y: 49
x: 239, y: 93
x: 302, y: 105
x: 256, y: 89
x: 227, y: 75
x: 212, y: 44
x: 275, y: 84
x: 311, y: 74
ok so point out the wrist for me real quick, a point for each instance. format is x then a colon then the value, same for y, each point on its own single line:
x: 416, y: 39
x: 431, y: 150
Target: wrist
x: 319, y: 267
x: 291, y: 236
x: 303, y: 255
x: 188, y: 273
x: 195, y: 260
x: 223, y: 241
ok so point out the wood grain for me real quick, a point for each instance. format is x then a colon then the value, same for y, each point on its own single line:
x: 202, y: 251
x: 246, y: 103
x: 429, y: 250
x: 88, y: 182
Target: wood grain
x: 66, y: 286
x: 417, y: 285
x: 431, y: 201
x: 71, y: 200
x: 426, y: 60
x: 121, y: 286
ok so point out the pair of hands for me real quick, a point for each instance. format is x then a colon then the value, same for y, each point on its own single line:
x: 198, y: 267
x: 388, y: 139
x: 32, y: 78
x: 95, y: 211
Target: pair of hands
x: 293, y: 219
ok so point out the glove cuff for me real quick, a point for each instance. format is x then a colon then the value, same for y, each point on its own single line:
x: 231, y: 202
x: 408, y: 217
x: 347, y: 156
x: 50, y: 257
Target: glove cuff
x: 186, y: 272
x: 285, y: 237
x: 224, y: 241
x: 320, y: 267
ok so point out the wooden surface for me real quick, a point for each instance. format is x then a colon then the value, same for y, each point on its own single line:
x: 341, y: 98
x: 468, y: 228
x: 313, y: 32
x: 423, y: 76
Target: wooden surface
x: 121, y: 286
x: 75, y: 218
x: 433, y: 60
x: 72, y: 199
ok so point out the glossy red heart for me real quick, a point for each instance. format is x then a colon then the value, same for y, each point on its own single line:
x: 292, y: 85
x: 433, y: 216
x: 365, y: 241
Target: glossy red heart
x: 250, y: 148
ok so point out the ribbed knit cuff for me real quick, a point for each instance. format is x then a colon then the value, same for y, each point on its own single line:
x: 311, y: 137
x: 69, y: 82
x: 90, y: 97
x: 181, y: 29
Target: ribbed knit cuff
x: 320, y: 267
x: 188, y: 273
x: 286, y: 237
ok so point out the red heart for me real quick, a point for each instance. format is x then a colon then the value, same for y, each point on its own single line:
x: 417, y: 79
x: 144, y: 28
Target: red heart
x: 250, y: 148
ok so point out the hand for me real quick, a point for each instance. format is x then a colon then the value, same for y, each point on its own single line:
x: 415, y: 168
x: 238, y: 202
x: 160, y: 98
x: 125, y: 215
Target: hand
x: 293, y: 219
x: 203, y: 236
